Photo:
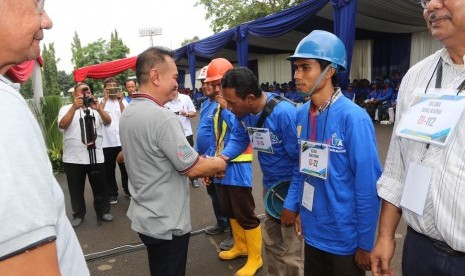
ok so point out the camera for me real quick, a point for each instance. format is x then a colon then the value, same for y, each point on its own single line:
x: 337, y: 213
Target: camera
x: 113, y: 91
x: 88, y: 101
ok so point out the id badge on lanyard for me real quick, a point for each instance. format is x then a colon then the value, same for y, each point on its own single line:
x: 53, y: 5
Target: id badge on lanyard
x: 432, y: 117
x: 314, y: 159
x: 261, y: 139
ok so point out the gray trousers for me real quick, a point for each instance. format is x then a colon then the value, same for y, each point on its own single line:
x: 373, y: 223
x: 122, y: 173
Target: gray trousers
x: 284, y: 250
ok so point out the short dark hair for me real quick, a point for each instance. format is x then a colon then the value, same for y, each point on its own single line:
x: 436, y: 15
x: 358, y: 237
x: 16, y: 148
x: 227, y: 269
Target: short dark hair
x: 109, y: 80
x: 128, y: 80
x: 149, y: 59
x: 243, y: 80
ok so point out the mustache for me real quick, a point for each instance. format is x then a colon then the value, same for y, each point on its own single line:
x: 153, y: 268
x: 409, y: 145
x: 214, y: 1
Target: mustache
x: 434, y: 16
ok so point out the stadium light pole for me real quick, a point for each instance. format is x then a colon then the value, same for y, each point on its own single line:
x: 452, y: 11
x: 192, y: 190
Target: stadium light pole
x: 152, y: 31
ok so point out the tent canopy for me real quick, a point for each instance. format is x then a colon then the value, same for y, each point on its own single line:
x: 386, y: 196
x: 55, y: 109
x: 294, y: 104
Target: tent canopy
x: 281, y: 32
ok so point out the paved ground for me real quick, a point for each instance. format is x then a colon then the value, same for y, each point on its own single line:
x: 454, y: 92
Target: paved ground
x: 114, y: 249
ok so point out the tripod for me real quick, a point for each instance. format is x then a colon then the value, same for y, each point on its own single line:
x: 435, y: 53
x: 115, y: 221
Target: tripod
x: 89, y: 134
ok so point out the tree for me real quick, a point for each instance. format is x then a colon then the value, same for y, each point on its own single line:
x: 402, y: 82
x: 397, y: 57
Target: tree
x: 65, y: 82
x: 225, y: 14
x: 26, y: 89
x: 187, y: 40
x: 49, y: 71
x: 76, y: 50
x: 118, y: 50
x: 98, y: 52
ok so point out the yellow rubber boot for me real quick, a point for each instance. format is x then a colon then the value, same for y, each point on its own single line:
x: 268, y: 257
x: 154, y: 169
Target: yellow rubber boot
x: 239, y: 248
x: 253, y: 240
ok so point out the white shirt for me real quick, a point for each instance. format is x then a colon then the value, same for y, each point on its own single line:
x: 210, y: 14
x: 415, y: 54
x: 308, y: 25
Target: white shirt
x: 444, y: 214
x: 32, y: 205
x: 111, y: 131
x: 74, y: 150
x: 183, y: 103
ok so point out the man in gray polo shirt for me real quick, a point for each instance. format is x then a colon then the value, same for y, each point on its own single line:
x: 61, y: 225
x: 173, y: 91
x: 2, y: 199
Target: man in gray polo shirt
x: 159, y: 161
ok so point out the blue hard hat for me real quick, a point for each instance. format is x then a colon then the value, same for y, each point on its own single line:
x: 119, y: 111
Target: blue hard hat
x: 387, y: 81
x: 322, y: 45
x: 274, y: 199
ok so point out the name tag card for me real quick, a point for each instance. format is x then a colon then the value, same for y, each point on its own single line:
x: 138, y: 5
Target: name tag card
x: 432, y: 117
x: 261, y: 139
x: 314, y: 159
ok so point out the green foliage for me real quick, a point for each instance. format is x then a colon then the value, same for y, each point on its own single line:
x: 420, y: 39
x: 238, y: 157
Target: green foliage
x: 47, y: 117
x: 50, y: 72
x: 187, y: 40
x: 98, y: 52
x: 65, y: 82
x: 225, y: 14
x: 26, y: 89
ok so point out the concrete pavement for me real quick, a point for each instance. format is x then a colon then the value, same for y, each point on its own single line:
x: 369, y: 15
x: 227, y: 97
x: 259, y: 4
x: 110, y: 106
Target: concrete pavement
x: 114, y: 249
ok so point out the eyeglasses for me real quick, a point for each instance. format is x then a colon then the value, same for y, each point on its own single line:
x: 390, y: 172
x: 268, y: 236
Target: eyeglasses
x: 424, y: 3
x: 40, y: 6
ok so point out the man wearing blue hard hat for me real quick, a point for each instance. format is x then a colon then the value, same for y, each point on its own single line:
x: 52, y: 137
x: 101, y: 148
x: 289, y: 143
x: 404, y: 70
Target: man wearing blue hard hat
x: 334, y: 184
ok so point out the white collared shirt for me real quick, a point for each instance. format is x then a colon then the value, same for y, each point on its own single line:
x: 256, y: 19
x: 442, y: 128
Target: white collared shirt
x: 111, y: 131
x: 74, y: 150
x: 183, y: 103
x: 444, y: 214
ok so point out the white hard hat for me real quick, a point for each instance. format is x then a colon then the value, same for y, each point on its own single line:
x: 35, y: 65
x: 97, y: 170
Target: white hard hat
x: 203, y: 73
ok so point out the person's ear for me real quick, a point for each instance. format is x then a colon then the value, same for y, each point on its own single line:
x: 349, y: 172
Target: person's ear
x: 250, y: 99
x: 154, y: 75
x: 330, y: 72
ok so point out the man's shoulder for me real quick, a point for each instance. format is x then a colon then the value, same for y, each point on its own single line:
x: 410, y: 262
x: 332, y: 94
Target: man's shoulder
x: 427, y: 62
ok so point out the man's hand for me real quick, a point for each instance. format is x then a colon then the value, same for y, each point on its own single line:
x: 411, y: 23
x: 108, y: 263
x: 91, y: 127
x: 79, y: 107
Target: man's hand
x: 95, y: 105
x: 120, y: 96
x: 362, y: 259
x: 78, y: 102
x: 288, y: 217
x: 105, y: 94
x: 222, y: 101
x: 206, y: 180
x: 381, y: 257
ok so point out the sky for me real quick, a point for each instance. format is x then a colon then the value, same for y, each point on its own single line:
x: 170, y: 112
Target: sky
x: 94, y: 19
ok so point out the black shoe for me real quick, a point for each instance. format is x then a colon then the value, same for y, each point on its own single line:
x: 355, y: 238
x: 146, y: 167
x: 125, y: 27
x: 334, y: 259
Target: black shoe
x: 128, y: 195
x: 113, y: 199
x: 107, y: 217
x: 216, y: 229
x: 76, y: 222
x: 195, y: 183
x: 227, y: 244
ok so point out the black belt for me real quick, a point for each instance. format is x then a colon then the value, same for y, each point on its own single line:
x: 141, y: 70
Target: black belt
x: 440, y: 245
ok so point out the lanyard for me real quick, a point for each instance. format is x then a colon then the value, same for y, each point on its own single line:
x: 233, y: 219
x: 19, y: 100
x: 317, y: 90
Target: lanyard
x: 312, y: 116
x: 439, y: 78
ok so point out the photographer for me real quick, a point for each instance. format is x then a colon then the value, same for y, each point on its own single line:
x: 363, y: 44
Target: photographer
x: 112, y: 102
x: 81, y: 123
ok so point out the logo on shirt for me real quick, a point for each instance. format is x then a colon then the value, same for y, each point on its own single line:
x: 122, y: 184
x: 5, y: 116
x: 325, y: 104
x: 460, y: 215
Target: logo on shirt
x: 335, y: 144
x: 274, y: 138
x: 185, y: 152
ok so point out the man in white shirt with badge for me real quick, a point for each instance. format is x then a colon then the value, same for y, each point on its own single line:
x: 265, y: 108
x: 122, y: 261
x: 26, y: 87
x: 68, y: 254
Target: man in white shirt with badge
x: 423, y: 179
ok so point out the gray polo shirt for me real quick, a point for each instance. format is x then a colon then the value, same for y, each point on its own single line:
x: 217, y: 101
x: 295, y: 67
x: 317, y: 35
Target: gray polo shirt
x: 156, y: 155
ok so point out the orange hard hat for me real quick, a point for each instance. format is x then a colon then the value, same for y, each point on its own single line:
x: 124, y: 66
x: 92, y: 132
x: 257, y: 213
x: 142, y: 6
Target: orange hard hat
x: 217, y: 68
x: 203, y: 73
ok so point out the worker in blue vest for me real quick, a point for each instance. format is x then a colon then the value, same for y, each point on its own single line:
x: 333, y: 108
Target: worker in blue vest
x: 270, y: 121
x: 334, y: 185
x: 229, y: 141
